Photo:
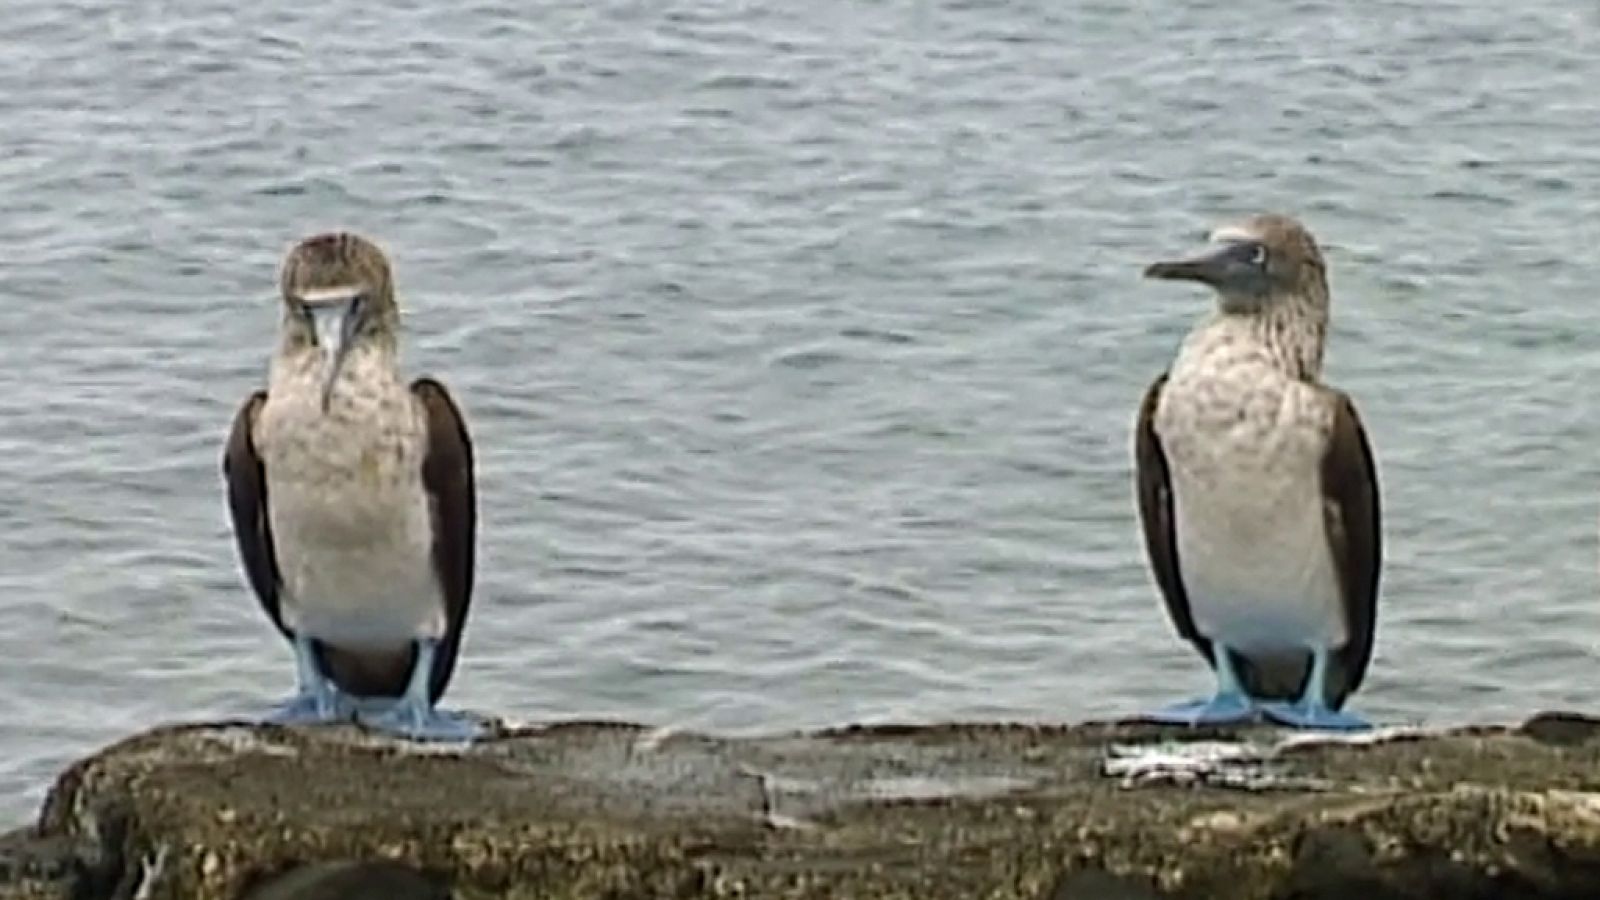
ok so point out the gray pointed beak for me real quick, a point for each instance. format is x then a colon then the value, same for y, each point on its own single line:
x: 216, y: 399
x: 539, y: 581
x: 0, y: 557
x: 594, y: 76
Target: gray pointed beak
x: 1212, y: 267
x: 334, y: 323
x: 1235, y: 267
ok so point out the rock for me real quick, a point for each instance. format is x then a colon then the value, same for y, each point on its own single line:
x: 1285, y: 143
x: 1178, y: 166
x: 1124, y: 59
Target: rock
x: 348, y: 880
x: 1101, y: 811
x: 38, y: 868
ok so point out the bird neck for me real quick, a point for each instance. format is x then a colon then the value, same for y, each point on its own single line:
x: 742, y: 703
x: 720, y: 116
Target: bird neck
x: 373, y: 356
x: 1293, y: 331
x: 384, y: 345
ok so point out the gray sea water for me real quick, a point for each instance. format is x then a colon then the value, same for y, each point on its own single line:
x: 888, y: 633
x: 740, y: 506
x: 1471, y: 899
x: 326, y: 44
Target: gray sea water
x: 800, y: 341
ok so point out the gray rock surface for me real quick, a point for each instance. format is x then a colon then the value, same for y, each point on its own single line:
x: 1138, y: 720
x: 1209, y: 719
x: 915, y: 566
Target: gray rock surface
x: 1101, y: 811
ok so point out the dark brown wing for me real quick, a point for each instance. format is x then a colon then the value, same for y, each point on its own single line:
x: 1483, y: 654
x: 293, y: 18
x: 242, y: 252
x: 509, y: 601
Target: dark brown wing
x: 247, y: 504
x: 1155, y: 514
x: 1354, y: 528
x: 447, y: 477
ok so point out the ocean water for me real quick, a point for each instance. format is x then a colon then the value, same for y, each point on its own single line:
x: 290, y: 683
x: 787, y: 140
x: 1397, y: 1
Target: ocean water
x: 800, y: 342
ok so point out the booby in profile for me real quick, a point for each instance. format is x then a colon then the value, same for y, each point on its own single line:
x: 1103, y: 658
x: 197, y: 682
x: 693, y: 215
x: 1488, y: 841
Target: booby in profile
x: 1257, y: 490
x: 353, y: 502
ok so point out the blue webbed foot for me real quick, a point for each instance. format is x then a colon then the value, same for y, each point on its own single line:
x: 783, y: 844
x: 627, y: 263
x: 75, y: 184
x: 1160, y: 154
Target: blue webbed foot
x: 1311, y: 711
x: 413, y: 715
x: 419, y: 723
x: 318, y: 699
x: 1229, y: 705
x: 1314, y: 717
x: 1222, y: 709
x: 311, y: 707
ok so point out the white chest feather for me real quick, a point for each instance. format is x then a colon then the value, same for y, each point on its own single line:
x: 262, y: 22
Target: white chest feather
x: 351, y: 523
x: 1245, y: 443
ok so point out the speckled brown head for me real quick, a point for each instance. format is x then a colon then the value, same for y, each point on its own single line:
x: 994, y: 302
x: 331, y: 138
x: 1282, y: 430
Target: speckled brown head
x: 1265, y: 258
x: 338, y: 297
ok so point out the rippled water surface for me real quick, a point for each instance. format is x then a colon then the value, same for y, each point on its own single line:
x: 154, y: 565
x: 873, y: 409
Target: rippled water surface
x: 800, y: 341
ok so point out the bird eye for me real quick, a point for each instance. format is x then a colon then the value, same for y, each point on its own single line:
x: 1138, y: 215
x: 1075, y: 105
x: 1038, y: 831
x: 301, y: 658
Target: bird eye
x: 1258, y: 255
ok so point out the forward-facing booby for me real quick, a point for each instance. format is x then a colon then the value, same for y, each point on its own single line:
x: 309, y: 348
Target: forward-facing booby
x: 353, y: 502
x: 1257, y: 489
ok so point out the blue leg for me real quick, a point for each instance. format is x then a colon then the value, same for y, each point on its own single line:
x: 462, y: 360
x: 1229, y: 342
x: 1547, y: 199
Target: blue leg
x: 1229, y: 705
x: 413, y: 716
x: 317, y: 699
x: 1311, y: 710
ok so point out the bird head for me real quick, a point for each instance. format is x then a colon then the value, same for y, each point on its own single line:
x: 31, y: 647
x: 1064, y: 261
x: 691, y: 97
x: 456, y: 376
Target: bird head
x: 338, y: 296
x: 1251, y: 265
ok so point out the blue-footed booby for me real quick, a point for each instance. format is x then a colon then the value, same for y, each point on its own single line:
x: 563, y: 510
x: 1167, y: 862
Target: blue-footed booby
x: 353, y: 501
x: 1257, y: 490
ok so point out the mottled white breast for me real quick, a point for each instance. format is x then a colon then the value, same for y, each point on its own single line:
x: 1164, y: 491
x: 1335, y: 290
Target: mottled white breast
x: 1244, y: 443
x: 350, y: 519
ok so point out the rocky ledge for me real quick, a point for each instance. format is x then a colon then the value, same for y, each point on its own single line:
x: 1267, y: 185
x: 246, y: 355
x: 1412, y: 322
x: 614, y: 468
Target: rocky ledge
x: 605, y: 810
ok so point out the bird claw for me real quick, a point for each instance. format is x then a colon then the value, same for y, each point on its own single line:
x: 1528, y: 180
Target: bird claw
x: 1314, y: 717
x: 419, y: 723
x: 312, y: 707
x: 1221, y: 709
